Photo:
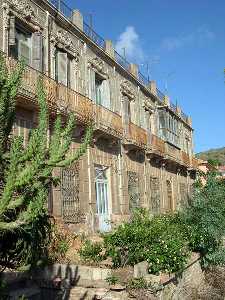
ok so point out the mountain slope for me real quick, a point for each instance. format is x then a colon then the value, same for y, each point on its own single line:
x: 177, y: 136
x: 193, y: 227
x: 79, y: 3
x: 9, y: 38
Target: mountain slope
x: 214, y: 154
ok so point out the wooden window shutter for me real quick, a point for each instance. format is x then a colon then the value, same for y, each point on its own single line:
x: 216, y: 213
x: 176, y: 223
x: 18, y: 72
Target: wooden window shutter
x: 37, y: 54
x: 24, y: 52
x: 62, y: 67
x: 72, y: 74
x: 105, y: 94
x: 12, y: 31
x: 126, y: 111
x: 91, y: 83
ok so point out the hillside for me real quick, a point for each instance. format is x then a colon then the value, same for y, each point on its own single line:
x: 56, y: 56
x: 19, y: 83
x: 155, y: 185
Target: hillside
x: 214, y: 154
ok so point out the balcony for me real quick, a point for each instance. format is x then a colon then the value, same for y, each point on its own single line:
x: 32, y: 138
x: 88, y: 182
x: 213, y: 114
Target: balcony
x: 157, y: 145
x: 136, y: 137
x: 173, y: 153
x: 108, y: 121
x: 59, y: 97
x: 186, y: 160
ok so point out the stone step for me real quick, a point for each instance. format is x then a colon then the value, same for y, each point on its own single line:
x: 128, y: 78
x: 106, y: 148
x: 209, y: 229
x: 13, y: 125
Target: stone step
x: 32, y: 292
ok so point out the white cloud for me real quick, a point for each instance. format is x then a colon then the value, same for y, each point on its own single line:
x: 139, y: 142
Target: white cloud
x: 201, y: 35
x: 129, y: 39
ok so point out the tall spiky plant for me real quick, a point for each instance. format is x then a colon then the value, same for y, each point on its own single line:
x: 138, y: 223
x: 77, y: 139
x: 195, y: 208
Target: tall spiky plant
x: 26, y: 173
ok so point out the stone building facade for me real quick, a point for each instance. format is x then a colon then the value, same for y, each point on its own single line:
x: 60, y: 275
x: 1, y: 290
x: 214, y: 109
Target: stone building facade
x: 141, y: 154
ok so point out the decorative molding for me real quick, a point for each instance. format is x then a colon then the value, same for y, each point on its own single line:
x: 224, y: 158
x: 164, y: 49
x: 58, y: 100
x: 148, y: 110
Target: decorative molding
x: 62, y: 40
x: 148, y: 106
x: 98, y: 65
x: 127, y: 89
x: 24, y: 8
x: 5, y: 8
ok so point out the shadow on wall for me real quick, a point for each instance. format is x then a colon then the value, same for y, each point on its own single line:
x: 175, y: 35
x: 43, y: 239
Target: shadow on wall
x: 59, y: 288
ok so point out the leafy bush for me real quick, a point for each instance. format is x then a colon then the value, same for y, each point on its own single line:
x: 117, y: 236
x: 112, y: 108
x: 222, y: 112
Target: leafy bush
x: 165, y: 241
x: 159, y: 240
x: 205, y: 218
x: 92, y: 251
x: 113, y: 279
x: 59, y: 245
x: 137, y: 283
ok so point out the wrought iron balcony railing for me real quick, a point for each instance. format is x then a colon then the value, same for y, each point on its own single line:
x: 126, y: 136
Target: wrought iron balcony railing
x: 96, y: 38
x: 62, y: 7
x: 173, y: 107
x: 122, y: 61
x: 143, y: 79
x: 184, y: 116
x: 160, y: 95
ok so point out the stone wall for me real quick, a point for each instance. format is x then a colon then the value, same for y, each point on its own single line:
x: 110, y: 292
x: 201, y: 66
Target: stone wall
x: 70, y: 282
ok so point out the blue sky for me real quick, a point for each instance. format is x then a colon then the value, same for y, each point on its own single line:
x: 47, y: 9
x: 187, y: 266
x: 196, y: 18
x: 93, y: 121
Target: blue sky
x: 183, y: 43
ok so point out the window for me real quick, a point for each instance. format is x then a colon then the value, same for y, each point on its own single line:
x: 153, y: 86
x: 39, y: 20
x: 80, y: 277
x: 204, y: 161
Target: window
x: 133, y: 190
x: 183, y: 195
x: 186, y: 145
x: 155, y: 195
x: 98, y: 90
x: 162, y: 125
x: 25, y: 45
x: 102, y: 197
x: 22, y: 47
x: 168, y: 128
x: 22, y: 127
x: 169, y: 204
x: 63, y: 68
x: 102, y: 91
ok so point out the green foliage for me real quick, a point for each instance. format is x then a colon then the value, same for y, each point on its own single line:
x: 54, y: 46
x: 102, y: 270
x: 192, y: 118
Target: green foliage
x: 113, y: 279
x: 92, y: 251
x: 59, y: 245
x: 158, y: 239
x: 137, y: 283
x: 26, y: 174
x: 205, y: 217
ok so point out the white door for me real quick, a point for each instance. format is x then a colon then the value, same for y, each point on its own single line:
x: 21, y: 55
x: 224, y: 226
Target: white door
x: 102, y: 198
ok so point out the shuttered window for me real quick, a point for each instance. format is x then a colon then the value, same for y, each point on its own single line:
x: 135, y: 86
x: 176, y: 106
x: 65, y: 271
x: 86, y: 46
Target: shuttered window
x: 155, y: 195
x: 102, y: 92
x: 133, y: 190
x: 63, y: 68
x: 20, y: 44
x: 22, y: 128
x: 183, y: 195
x: 37, y: 51
x: 25, y: 45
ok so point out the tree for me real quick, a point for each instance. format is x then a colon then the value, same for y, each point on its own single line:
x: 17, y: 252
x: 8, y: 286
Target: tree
x: 26, y: 174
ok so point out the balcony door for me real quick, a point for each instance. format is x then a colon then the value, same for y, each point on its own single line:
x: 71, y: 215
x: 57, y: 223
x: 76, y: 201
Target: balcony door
x: 102, y: 197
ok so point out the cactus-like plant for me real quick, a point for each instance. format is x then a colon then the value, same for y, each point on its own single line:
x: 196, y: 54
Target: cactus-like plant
x: 26, y: 173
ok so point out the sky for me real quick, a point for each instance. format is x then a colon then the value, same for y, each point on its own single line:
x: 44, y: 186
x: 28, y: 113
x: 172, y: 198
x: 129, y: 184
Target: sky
x: 178, y: 43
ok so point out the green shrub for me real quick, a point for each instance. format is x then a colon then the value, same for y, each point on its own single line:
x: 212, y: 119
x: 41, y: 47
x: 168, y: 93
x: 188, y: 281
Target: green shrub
x: 159, y: 240
x: 60, y: 242
x: 137, y: 283
x: 113, y: 279
x: 205, y: 218
x: 92, y: 251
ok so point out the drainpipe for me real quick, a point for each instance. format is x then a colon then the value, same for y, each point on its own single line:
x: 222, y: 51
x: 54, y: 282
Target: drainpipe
x: 89, y: 188
x: 145, y: 183
x: 162, y: 184
x: 120, y: 178
x: 47, y: 45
